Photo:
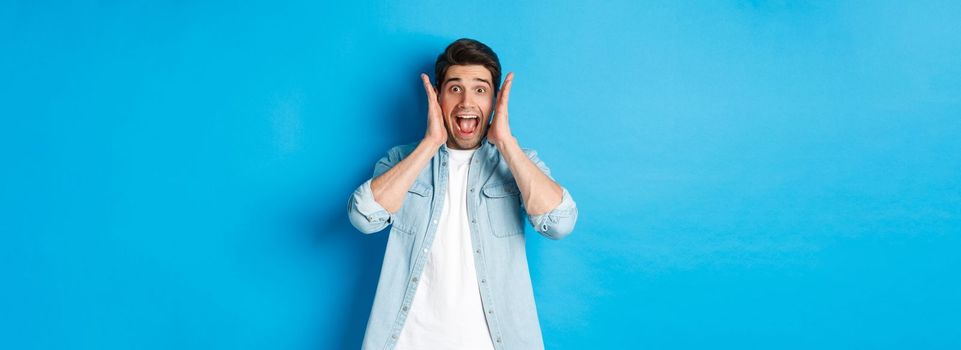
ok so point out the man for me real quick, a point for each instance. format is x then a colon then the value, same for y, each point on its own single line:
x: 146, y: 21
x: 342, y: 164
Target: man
x: 455, y: 270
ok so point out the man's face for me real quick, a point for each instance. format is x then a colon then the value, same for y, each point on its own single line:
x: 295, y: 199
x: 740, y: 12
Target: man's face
x: 466, y: 96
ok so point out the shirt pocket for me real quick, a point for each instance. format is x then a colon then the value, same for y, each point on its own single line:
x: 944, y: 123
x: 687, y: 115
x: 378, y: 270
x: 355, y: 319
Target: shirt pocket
x: 413, y: 215
x: 504, y: 209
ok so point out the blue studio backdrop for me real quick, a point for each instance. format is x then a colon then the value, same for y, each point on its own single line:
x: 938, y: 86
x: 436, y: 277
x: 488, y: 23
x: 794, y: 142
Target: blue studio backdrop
x: 749, y: 174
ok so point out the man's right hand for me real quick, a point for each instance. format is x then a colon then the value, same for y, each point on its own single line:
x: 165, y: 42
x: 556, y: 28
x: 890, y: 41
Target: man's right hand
x: 390, y: 188
x: 436, y: 133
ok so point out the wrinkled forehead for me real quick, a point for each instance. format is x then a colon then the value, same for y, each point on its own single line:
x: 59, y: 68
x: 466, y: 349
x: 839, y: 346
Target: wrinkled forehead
x: 468, y: 74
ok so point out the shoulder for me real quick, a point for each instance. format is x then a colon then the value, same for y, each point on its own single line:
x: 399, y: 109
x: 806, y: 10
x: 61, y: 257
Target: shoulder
x: 530, y: 153
x: 401, y: 151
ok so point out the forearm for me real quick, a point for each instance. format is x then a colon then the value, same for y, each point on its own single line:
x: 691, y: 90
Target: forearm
x: 390, y: 188
x: 539, y: 192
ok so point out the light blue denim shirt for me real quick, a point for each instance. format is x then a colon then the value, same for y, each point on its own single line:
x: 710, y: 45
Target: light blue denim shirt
x: 496, y: 214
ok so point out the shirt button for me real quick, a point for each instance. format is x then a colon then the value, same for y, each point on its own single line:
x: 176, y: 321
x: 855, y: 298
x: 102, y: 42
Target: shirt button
x: 490, y: 311
x: 443, y: 163
x: 473, y: 220
x: 435, y: 222
x: 414, y: 279
x: 483, y: 281
x: 395, y: 337
x: 472, y: 190
x: 478, y: 251
x: 498, y: 339
x: 405, y: 308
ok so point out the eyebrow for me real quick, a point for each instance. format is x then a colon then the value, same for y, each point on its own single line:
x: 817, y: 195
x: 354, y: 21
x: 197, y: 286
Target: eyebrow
x: 476, y: 79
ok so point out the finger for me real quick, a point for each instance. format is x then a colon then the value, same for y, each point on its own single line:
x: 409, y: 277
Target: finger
x: 433, y: 107
x: 505, y: 93
x: 428, y: 87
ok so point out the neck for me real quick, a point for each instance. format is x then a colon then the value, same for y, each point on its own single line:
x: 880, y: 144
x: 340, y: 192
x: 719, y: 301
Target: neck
x: 453, y: 146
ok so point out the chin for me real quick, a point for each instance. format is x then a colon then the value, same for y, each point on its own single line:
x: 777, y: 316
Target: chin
x: 464, y: 143
x: 467, y: 144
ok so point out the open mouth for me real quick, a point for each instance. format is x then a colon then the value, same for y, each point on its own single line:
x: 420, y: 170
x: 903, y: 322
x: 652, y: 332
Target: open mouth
x: 467, y: 124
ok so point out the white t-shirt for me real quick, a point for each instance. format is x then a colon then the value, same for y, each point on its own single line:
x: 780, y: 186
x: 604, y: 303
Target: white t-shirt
x: 447, y: 312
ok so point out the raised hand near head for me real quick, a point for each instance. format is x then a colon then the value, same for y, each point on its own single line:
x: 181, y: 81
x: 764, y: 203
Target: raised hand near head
x: 436, y: 133
x: 500, y: 129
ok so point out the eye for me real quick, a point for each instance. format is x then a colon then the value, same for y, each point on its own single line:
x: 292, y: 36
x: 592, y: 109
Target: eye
x: 481, y: 90
x: 455, y: 88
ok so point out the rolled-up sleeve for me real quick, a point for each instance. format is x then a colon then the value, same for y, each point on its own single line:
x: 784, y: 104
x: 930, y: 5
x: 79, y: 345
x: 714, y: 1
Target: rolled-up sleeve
x: 364, y: 212
x: 559, y: 222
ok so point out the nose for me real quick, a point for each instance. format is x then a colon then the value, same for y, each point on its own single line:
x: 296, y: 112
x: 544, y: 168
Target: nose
x: 465, y: 103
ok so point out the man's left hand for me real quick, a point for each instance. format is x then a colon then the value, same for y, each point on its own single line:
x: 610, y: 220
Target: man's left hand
x: 500, y: 129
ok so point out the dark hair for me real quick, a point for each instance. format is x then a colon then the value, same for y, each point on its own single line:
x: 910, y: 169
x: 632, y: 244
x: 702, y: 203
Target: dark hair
x: 464, y: 52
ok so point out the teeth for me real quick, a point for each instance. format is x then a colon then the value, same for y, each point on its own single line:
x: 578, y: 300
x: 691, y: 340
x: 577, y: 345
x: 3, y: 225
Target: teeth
x: 467, y: 123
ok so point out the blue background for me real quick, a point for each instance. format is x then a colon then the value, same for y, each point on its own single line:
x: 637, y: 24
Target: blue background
x: 749, y: 174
